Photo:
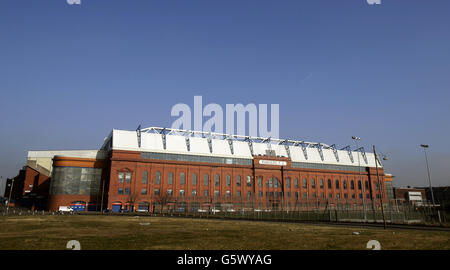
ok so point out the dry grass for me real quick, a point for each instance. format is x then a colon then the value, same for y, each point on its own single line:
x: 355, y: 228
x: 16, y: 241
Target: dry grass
x: 128, y: 232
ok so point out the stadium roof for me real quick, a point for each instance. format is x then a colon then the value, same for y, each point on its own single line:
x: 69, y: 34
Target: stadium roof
x: 176, y: 141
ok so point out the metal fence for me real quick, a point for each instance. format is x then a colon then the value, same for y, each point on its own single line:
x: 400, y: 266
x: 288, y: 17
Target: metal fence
x: 314, y: 210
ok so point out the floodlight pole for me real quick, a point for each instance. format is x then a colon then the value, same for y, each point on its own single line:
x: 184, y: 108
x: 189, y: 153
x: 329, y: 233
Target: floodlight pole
x: 360, y: 179
x: 425, y: 146
x: 10, y: 192
x: 380, y: 186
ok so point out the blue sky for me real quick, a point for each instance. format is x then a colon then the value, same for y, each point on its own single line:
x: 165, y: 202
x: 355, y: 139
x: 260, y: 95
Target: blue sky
x: 71, y: 73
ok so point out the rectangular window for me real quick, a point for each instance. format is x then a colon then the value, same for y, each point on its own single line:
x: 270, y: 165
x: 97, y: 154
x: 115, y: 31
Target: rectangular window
x: 330, y: 195
x: 144, y: 177
x: 157, y: 191
x: 157, y: 178
x: 182, y: 178
x: 121, y: 177
x: 295, y: 182
x: 259, y: 181
x: 288, y: 182
x: 228, y: 193
x: 289, y: 194
x: 127, y: 191
x: 128, y: 177
x: 217, y: 180
x: 249, y: 193
x: 238, y: 193
x: 260, y: 193
x: 228, y: 180
x: 194, y: 179
x: 321, y: 183
x: 249, y: 181
x: 238, y: 180
x: 194, y: 193
x: 205, y: 193
x: 144, y: 191
x: 205, y: 179
x: 181, y: 192
x: 305, y: 183
x: 169, y: 192
x: 170, y: 178
x: 305, y: 195
x: 120, y: 191
x: 216, y: 193
x: 338, y: 196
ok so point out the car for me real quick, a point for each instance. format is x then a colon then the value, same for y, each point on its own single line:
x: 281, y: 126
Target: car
x: 65, y: 209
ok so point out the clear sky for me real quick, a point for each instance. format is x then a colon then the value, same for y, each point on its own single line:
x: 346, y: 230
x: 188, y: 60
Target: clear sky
x: 71, y: 73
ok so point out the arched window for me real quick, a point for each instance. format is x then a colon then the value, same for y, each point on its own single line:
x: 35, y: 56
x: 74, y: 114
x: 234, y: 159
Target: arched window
x: 305, y: 183
x: 345, y: 184
x: 238, y: 180
x: 228, y: 180
x: 205, y: 179
x: 329, y: 183
x: 313, y: 183
x: 182, y: 178
x: 337, y: 184
x: 194, y: 179
x: 352, y: 184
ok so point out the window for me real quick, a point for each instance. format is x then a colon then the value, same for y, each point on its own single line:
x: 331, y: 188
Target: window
x: 238, y: 180
x: 289, y: 194
x: 181, y: 192
x: 216, y: 193
x: 128, y: 177
x: 275, y: 182
x: 228, y: 180
x: 330, y: 195
x: 194, y: 192
x: 359, y: 185
x: 345, y: 195
x: 228, y: 193
x: 270, y: 182
x: 157, y: 191
x: 353, y: 196
x: 322, y: 195
x: 288, y: 182
x: 169, y: 192
x: 127, y: 191
x: 259, y: 181
x: 321, y: 183
x: 170, y: 178
x: 345, y: 184
x: 205, y: 179
x: 238, y: 193
x: 295, y: 182
x: 296, y: 194
x: 249, y: 193
x: 157, y: 178
x: 182, y: 178
x: 313, y: 183
x: 144, y: 177
x: 217, y: 180
x: 260, y: 194
x: 121, y: 176
x: 144, y: 191
x: 337, y: 184
x: 329, y: 183
x: 194, y: 179
x: 352, y: 184
x: 314, y: 195
x: 205, y: 193
x: 338, y: 196
x: 120, y: 191
x: 305, y: 194
x: 367, y: 185
x: 305, y: 183
x: 249, y: 181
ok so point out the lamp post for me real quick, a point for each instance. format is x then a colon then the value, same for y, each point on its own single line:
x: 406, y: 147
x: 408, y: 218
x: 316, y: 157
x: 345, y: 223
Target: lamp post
x: 425, y: 146
x: 360, y: 178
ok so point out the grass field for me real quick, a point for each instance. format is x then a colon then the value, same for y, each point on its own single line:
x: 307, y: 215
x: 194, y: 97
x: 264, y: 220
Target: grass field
x: 128, y: 232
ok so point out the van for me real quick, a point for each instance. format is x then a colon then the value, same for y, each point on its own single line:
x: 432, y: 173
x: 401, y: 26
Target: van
x: 65, y: 209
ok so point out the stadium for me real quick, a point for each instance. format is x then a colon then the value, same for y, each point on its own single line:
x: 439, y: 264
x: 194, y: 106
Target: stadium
x: 162, y: 169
